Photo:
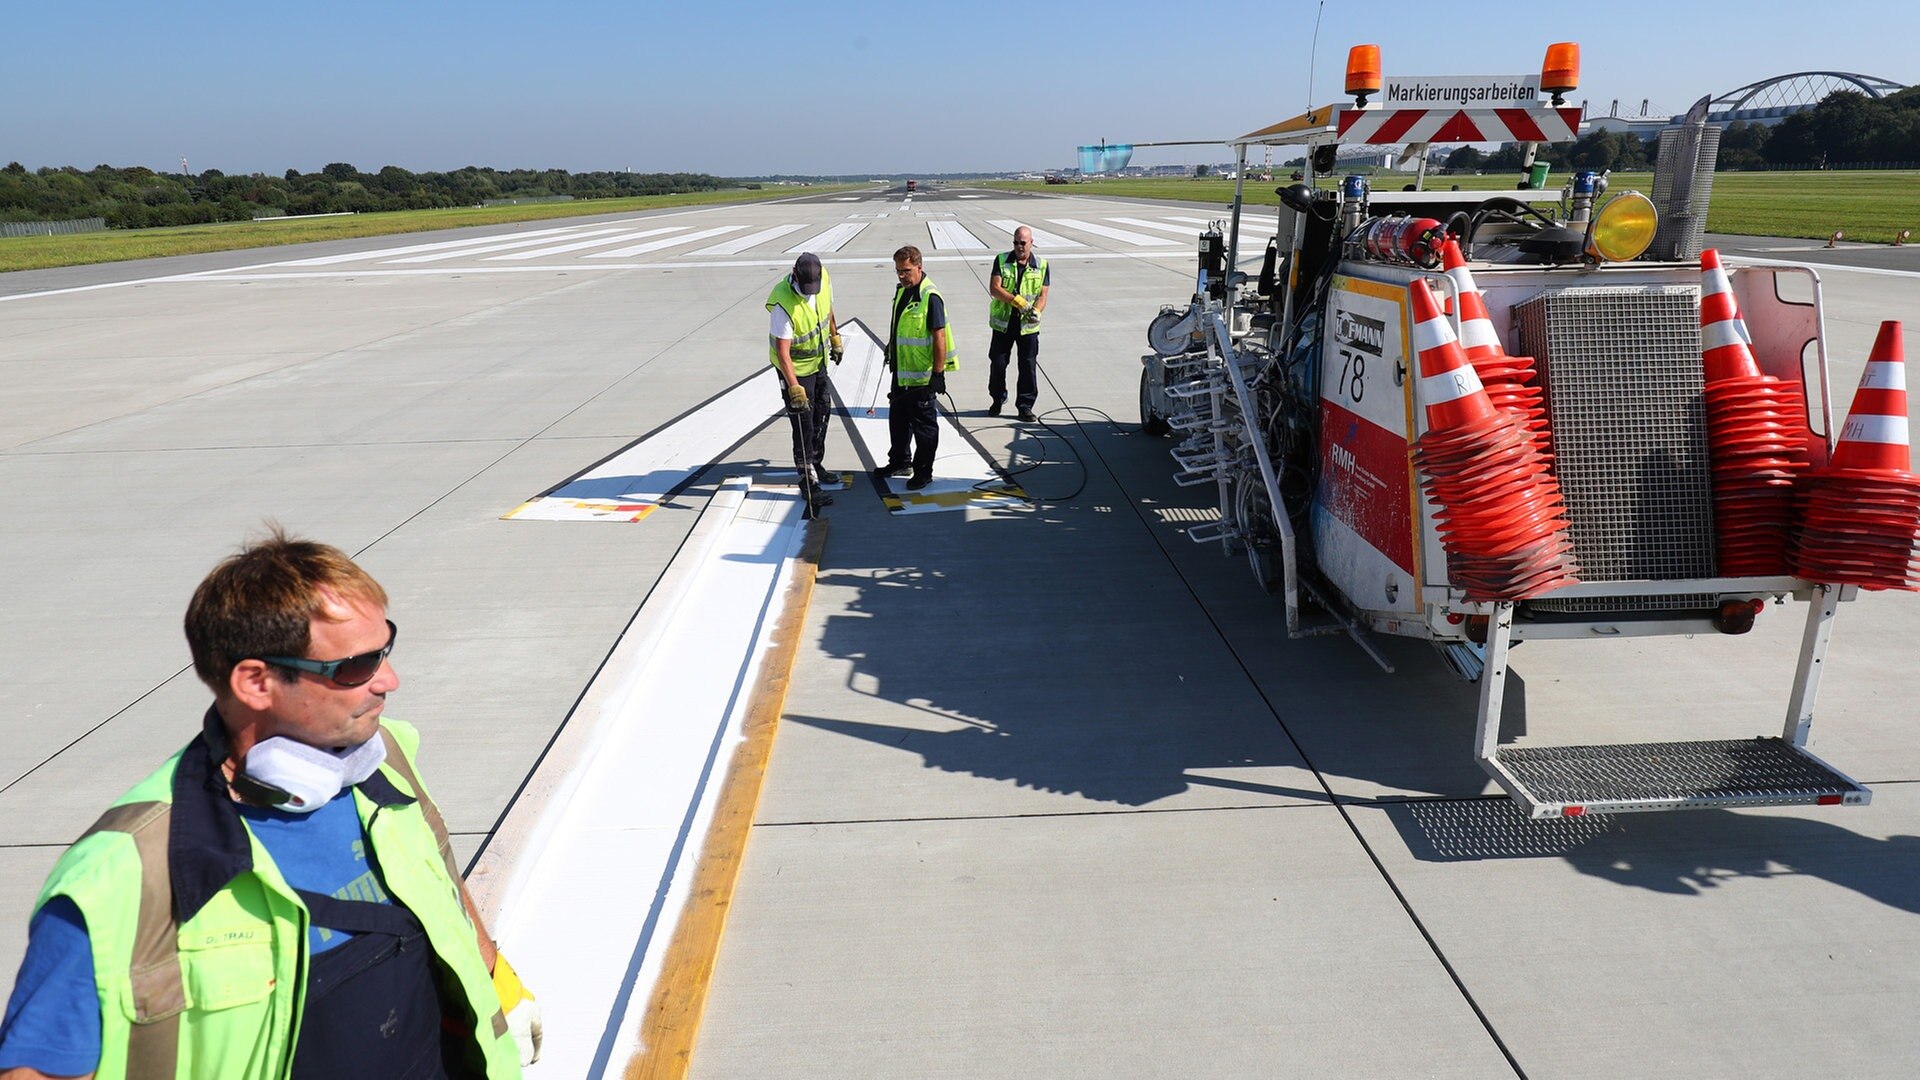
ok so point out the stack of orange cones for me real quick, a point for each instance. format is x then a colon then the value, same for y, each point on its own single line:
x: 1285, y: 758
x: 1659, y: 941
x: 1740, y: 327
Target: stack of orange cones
x: 1861, y: 512
x: 1756, y: 437
x: 1501, y: 519
x: 1509, y: 380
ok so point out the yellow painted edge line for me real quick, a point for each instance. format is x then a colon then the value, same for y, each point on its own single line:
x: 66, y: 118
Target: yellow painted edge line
x: 672, y: 1019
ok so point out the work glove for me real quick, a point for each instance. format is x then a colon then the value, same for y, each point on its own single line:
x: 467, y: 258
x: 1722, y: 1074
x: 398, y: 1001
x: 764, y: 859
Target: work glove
x: 938, y: 382
x: 837, y: 348
x: 1032, y: 317
x: 797, y: 398
x: 1021, y: 305
x: 523, y: 1013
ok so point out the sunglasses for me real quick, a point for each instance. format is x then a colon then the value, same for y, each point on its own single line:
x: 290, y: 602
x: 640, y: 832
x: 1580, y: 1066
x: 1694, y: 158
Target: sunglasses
x: 350, y: 672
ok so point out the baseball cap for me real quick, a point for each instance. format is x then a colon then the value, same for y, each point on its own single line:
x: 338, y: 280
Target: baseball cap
x: 806, y: 274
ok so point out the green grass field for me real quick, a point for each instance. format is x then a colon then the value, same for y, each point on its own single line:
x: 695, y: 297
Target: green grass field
x: 114, y: 245
x: 1867, y: 206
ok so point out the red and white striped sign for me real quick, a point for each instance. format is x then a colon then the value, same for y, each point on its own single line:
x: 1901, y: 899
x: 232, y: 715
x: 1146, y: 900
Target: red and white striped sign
x: 1538, y: 124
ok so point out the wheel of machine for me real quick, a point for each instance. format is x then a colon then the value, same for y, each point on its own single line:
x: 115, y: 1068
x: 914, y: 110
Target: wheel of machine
x: 1258, y: 535
x: 1167, y: 334
x: 1151, y: 423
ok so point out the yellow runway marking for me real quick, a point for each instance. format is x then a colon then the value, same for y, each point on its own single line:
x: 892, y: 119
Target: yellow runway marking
x: 673, y: 1014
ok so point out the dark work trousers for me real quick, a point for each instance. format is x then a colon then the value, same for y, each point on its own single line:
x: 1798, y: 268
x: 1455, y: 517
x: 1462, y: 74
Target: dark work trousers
x: 913, y: 422
x: 372, y: 1008
x: 820, y: 412
x: 1003, y: 343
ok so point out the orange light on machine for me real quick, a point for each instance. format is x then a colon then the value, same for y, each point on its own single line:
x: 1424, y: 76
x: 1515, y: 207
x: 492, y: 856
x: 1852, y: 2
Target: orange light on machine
x: 1561, y: 71
x: 1363, y: 72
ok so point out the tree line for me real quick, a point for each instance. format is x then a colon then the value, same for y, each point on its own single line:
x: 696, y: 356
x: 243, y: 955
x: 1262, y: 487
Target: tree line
x: 136, y: 198
x: 1846, y: 128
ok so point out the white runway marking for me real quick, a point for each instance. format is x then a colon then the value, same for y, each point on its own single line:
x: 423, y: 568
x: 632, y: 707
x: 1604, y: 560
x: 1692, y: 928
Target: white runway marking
x: 962, y: 477
x: 953, y: 236
x: 579, y: 245
x: 611, y: 854
x: 1226, y: 220
x: 1122, y: 235
x: 442, y: 256
x: 1143, y: 223
x: 671, y: 241
x: 468, y: 243
x: 832, y: 240
x: 735, y: 247
x: 1042, y: 239
x: 631, y: 483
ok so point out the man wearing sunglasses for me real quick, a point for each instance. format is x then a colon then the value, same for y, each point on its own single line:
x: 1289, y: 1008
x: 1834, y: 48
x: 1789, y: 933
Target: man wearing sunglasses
x: 1018, y: 286
x: 278, y: 900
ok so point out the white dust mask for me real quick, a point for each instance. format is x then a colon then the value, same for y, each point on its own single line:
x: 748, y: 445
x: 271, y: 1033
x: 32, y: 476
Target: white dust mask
x: 310, y: 776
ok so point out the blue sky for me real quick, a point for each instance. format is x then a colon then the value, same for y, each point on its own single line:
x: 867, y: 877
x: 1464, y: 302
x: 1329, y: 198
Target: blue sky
x: 736, y: 88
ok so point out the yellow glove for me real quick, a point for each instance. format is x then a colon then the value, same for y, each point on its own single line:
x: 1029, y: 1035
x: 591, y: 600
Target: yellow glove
x: 838, y: 345
x: 797, y: 398
x: 836, y: 348
x: 1020, y: 304
x: 523, y: 1013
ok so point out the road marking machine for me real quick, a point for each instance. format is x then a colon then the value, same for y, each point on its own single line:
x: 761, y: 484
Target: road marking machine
x: 1485, y: 418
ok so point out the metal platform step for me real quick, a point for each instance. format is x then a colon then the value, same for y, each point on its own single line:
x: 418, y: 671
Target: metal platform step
x: 1567, y: 781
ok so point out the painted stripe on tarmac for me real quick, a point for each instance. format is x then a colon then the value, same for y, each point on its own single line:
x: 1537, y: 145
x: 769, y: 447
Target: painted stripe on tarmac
x: 963, y: 475
x: 608, y: 236
x: 832, y: 240
x: 1122, y: 235
x: 953, y: 236
x: 656, y: 245
x: 625, y: 486
x: 1049, y: 241
x: 735, y: 247
x: 582, y: 245
x: 469, y: 243
x: 267, y: 271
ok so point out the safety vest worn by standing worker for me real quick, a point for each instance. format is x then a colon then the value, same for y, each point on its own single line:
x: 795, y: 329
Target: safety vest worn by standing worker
x: 913, y: 342
x: 1012, y: 279
x: 809, y: 346
x: 223, y: 992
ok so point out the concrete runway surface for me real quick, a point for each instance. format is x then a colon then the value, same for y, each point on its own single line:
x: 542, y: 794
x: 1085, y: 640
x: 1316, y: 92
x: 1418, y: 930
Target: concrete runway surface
x: 1054, y: 795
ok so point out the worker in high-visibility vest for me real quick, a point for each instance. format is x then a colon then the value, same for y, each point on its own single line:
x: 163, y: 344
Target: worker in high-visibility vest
x: 802, y: 334
x: 278, y: 900
x: 920, y: 351
x: 1018, y: 285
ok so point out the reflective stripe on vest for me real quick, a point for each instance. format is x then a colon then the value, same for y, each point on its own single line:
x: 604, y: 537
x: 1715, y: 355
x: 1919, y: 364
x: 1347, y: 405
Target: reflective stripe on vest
x: 808, y: 349
x: 999, y: 312
x: 159, y: 990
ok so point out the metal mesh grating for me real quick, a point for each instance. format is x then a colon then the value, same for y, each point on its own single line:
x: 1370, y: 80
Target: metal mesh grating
x: 1754, y: 770
x: 1621, y: 369
x: 1682, y: 226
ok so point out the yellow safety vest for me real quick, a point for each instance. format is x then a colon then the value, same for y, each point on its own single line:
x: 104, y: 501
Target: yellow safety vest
x: 999, y: 312
x: 913, y: 342
x: 809, y: 346
x: 220, y: 993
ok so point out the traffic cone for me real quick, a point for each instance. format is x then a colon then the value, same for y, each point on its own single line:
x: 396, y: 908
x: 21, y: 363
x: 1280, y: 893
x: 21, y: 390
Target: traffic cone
x: 1501, y: 518
x: 1756, y: 437
x: 1508, y: 379
x: 1725, y: 344
x: 1860, y: 516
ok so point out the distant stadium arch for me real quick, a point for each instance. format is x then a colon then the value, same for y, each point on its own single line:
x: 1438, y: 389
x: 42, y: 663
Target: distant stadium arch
x: 1771, y: 100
